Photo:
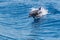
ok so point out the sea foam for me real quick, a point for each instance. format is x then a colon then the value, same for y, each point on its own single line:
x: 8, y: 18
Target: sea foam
x: 43, y: 10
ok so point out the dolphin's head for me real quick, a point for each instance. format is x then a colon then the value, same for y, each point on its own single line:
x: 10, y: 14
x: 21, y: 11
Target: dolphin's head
x: 36, y: 13
x: 33, y: 13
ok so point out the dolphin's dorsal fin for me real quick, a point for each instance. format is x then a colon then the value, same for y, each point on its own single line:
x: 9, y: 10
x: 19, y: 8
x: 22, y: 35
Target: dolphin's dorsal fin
x: 40, y: 8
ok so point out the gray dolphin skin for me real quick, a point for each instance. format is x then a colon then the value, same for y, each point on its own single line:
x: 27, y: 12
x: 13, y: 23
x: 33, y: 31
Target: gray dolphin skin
x: 35, y: 13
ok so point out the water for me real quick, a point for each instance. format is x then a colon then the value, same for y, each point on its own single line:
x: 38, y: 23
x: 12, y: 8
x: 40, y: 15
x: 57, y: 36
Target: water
x: 16, y: 25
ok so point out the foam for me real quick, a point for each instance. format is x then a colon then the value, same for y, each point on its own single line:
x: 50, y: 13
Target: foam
x: 32, y: 9
x: 43, y: 10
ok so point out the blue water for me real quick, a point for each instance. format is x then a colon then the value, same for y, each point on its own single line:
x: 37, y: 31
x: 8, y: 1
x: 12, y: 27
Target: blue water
x: 16, y: 25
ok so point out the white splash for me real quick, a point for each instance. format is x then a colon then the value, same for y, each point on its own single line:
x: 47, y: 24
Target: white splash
x: 32, y: 9
x: 43, y: 10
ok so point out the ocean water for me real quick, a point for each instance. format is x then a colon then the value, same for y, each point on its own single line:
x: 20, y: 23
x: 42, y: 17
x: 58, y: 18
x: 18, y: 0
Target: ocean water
x: 16, y: 25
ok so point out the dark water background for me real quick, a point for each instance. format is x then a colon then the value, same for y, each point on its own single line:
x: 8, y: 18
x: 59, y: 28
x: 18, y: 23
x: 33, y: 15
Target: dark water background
x: 16, y: 25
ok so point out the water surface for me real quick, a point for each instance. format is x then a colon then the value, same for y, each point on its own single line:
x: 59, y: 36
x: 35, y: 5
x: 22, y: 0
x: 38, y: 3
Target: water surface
x: 16, y: 25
